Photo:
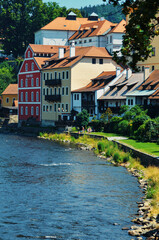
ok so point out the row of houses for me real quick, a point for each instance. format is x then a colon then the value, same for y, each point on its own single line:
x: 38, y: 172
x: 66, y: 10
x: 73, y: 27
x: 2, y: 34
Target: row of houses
x: 55, y: 83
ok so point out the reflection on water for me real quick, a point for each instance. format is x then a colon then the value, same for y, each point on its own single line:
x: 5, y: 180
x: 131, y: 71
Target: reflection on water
x: 50, y: 191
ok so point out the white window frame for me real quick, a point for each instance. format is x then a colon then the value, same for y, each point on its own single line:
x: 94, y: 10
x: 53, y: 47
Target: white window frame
x: 37, y: 82
x: 32, y: 96
x: 37, y: 111
x: 32, y: 66
x: 21, y: 96
x: 32, y: 111
x: 32, y: 82
x: 21, y: 82
x: 26, y: 67
x: 21, y: 110
x: 26, y: 111
x: 26, y: 96
x: 37, y: 96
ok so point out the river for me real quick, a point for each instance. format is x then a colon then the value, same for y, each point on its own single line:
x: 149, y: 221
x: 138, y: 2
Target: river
x: 50, y: 191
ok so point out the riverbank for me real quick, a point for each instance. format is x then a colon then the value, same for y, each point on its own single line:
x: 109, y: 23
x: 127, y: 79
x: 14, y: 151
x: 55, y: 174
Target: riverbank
x: 148, y: 215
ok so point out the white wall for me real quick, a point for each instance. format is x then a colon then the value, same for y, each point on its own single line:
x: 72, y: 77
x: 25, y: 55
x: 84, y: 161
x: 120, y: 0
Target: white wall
x: 76, y: 104
x: 52, y: 37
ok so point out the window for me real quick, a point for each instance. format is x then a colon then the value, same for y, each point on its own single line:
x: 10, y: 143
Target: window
x: 32, y: 66
x: 55, y: 75
x: 37, y: 96
x: 110, y: 39
x: 26, y: 67
x: 93, y: 60
x: 43, y: 108
x: 32, y: 82
x: 26, y: 111
x: 67, y: 75
x: 63, y: 90
x: 37, y: 111
x: 59, y: 91
x: 55, y: 91
x: 153, y: 68
x: 55, y: 107
x: 50, y: 108
x: 59, y: 75
x: 50, y: 91
x: 131, y: 101
x: 28, y: 54
x: 21, y: 96
x: 142, y: 68
x: 90, y: 40
x: 26, y: 82
x: 59, y: 107
x: 62, y: 107
x: 80, y: 41
x: 32, y: 96
x: 21, y: 110
x: 37, y: 82
x: 128, y: 101
x: 153, y: 51
x: 21, y: 82
x: 47, y: 91
x: 44, y: 76
x: 47, y: 108
x: 66, y: 90
x: 85, y: 41
x: 47, y: 76
x: 63, y: 75
x: 32, y: 111
x: 26, y: 96
x: 66, y: 107
x: 77, y: 96
x: 100, y: 61
x: 51, y: 76
x: 43, y: 91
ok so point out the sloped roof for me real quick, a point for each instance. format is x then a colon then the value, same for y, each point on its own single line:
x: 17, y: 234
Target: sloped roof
x: 62, y: 23
x: 11, y: 89
x: 122, y: 87
x: 98, y: 83
x: 38, y: 48
x: 41, y: 61
x: 152, y: 82
x: 155, y: 95
x: 80, y: 52
x: 119, y: 28
x: 92, y: 29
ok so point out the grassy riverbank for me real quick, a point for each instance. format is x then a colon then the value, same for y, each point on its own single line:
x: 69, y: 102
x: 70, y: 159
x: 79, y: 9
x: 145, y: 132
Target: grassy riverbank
x: 110, y: 150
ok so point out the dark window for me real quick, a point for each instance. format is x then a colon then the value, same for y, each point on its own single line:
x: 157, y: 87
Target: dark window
x: 66, y: 74
x: 55, y: 107
x: 66, y: 90
x: 93, y: 60
x: 63, y: 75
x: 142, y: 68
x: 77, y: 96
x: 55, y: 91
x: 131, y: 101
x: 59, y: 92
x: 153, y: 51
x: 55, y: 75
x: 153, y: 68
x: 44, y: 76
x: 47, y: 91
x: 44, y: 91
x: 59, y: 75
x: 90, y: 40
x: 63, y: 91
x: 128, y: 101
x: 85, y: 41
x: 100, y: 61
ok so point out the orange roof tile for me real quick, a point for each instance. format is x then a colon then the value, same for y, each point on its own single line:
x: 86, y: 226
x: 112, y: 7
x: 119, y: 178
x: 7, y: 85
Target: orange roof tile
x: 80, y: 52
x: 38, y: 48
x: 62, y: 23
x: 152, y: 81
x: 119, y: 28
x: 11, y: 89
x: 40, y: 60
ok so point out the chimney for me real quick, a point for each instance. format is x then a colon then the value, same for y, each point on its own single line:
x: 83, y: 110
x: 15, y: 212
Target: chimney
x: 72, y: 49
x: 146, y: 72
x: 61, y: 52
x: 118, y: 71
x: 128, y: 73
x: 102, y: 19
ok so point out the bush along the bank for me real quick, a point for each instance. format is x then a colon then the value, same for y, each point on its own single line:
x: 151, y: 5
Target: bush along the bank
x: 134, y: 123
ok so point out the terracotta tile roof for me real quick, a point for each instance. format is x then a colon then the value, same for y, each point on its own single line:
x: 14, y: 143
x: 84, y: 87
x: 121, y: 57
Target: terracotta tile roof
x: 11, y: 89
x: 38, y: 48
x: 80, y: 52
x: 62, y: 23
x: 119, y: 28
x: 122, y: 87
x: 152, y: 82
x: 98, y: 83
x: 41, y: 61
x: 92, y: 29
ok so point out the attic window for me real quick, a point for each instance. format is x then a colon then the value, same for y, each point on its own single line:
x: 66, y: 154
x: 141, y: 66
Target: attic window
x: 64, y: 25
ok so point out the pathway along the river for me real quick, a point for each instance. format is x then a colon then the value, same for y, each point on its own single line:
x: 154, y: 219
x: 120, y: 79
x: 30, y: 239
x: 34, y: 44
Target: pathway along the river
x: 49, y: 191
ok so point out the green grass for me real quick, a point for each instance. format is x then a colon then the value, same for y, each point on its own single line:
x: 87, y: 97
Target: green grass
x: 105, y: 134
x: 147, y: 147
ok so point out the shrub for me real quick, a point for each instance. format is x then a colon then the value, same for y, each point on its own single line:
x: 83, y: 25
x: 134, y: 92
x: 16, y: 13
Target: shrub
x: 113, y: 125
x: 82, y: 118
x: 41, y: 134
x: 123, y: 127
x: 126, y: 157
x: 116, y: 157
x: 101, y: 146
x: 147, y: 131
x: 138, y: 121
x: 97, y: 125
x: 72, y: 139
x: 109, y: 152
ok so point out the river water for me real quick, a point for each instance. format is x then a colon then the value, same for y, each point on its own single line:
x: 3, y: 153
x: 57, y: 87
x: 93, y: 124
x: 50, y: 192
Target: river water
x: 50, y: 191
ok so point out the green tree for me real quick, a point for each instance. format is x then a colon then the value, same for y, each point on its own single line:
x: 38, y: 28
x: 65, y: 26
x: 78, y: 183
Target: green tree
x: 82, y: 119
x: 143, y: 26
x: 7, y: 76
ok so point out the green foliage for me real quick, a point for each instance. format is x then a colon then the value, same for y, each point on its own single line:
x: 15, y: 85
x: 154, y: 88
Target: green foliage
x: 82, y: 119
x: 138, y: 121
x: 109, y: 152
x: 113, y: 125
x: 133, y: 112
x: 148, y: 131
x: 107, y: 115
x: 97, y: 125
x: 116, y: 157
x: 126, y: 157
x: 101, y: 146
x: 6, y: 76
x: 123, y: 109
x: 123, y: 127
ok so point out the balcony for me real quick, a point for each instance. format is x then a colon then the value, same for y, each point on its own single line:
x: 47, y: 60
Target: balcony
x: 53, y: 82
x: 88, y: 103
x: 53, y: 98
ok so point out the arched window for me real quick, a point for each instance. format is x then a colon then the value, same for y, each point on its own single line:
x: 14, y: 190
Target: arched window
x: 26, y: 96
x: 37, y: 111
x: 28, y: 54
x: 21, y: 82
x: 26, y: 67
x: 21, y: 96
x: 37, y: 96
x: 32, y: 111
x: 26, y: 111
x: 37, y: 82
x: 26, y: 82
x: 32, y: 82
x: 32, y: 66
x: 32, y: 96
x: 21, y: 110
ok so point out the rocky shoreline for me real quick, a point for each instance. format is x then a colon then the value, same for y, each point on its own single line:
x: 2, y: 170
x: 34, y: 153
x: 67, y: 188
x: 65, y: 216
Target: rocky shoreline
x: 146, y: 226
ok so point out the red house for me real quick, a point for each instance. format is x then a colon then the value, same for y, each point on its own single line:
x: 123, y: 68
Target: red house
x: 29, y: 81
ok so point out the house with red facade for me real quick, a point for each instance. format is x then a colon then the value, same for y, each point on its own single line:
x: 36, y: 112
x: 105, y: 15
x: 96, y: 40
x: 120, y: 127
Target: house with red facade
x: 29, y: 81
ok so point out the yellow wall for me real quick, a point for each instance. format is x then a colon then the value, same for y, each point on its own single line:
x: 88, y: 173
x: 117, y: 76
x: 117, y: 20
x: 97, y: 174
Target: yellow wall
x: 10, y: 98
x: 79, y: 76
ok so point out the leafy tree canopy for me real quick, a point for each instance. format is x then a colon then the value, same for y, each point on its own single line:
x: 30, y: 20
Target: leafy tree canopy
x: 7, y: 76
x: 82, y: 119
x: 143, y: 26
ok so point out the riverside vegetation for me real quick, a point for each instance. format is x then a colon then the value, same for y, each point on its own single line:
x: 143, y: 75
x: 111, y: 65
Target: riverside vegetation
x: 147, y: 177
